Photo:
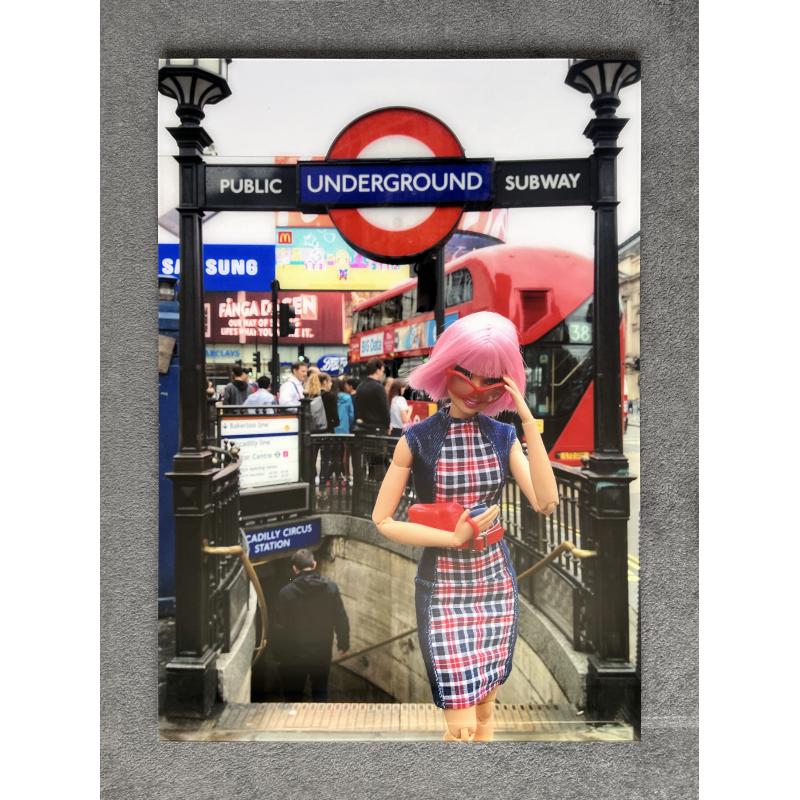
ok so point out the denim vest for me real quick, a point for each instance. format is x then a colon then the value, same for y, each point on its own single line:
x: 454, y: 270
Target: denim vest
x: 426, y: 440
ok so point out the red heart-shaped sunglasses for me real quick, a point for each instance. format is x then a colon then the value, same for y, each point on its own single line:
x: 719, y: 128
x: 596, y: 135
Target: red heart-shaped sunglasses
x: 462, y: 386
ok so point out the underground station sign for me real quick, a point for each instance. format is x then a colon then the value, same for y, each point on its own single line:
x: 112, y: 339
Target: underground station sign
x: 395, y: 183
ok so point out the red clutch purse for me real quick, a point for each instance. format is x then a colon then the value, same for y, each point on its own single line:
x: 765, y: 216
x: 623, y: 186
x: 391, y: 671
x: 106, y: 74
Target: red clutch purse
x: 438, y: 515
x: 445, y: 516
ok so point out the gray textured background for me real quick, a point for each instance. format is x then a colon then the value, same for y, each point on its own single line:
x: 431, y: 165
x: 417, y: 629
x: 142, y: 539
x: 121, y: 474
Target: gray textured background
x: 135, y: 764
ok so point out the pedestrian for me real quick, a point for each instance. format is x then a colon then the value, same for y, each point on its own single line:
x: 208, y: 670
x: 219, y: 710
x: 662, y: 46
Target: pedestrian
x: 371, y: 403
x: 211, y: 400
x: 399, y: 410
x: 262, y: 396
x: 344, y: 399
x: 319, y: 420
x: 313, y: 389
x: 236, y: 392
x: 467, y: 599
x: 329, y: 468
x: 372, y: 417
x: 291, y: 391
x: 309, y: 611
x: 344, y: 409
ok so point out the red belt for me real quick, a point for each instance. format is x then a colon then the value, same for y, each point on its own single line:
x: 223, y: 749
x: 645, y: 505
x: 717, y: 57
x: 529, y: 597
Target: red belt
x: 483, y: 540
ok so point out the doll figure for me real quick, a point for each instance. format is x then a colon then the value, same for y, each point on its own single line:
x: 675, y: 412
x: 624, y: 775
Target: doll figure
x: 466, y: 598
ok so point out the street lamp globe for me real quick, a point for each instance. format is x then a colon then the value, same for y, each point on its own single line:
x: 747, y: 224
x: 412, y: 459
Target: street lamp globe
x: 193, y: 82
x: 603, y: 80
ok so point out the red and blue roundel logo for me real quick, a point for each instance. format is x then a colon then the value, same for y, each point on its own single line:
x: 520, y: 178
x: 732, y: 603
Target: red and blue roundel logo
x: 395, y: 233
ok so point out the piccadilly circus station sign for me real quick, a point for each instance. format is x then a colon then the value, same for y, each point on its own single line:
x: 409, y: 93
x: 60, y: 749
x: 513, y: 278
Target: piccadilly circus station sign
x: 395, y: 183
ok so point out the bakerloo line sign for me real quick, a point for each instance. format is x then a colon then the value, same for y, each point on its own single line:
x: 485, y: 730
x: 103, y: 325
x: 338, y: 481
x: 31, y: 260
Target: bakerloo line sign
x: 420, y: 172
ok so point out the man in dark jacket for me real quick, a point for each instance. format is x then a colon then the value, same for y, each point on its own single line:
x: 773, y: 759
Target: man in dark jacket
x: 310, y: 609
x: 237, y: 391
x: 371, y: 403
x: 372, y: 416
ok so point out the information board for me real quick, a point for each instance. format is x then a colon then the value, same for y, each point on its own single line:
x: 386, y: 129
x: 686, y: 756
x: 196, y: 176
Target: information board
x: 269, y: 448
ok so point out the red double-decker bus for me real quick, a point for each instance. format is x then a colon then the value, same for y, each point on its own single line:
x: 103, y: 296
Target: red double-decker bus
x: 547, y: 294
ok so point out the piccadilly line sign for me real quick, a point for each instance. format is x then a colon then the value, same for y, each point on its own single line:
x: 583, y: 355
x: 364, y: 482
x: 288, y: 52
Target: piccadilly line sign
x: 474, y: 184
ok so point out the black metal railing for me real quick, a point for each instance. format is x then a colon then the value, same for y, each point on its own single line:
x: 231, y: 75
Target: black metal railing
x: 224, y: 575
x: 561, y: 591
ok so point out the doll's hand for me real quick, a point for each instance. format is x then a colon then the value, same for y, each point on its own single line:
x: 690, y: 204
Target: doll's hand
x: 464, y: 532
x: 519, y: 401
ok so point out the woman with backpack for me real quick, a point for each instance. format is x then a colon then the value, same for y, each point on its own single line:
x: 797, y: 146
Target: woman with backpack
x: 319, y: 420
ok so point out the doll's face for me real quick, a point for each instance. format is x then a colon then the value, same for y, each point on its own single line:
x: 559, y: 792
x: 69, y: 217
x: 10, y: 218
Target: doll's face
x: 470, y: 393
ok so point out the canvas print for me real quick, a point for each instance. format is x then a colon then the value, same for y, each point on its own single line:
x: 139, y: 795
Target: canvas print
x: 398, y: 375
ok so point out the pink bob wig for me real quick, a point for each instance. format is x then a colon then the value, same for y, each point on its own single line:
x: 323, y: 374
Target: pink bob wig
x: 485, y: 343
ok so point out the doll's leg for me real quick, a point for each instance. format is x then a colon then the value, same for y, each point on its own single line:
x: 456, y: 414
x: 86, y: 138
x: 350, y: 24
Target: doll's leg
x: 460, y: 724
x: 484, y: 714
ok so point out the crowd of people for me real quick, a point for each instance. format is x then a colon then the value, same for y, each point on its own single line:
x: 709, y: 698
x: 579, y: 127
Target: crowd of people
x: 338, y: 404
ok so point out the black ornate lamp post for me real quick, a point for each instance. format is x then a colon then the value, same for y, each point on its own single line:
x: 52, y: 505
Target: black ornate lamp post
x: 603, y: 80
x: 191, y: 675
x: 607, y: 490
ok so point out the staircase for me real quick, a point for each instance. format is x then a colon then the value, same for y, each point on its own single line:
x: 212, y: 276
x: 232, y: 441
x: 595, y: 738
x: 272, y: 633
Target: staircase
x: 296, y: 722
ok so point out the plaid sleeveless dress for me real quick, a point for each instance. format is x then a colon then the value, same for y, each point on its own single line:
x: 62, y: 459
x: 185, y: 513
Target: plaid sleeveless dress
x: 467, y: 614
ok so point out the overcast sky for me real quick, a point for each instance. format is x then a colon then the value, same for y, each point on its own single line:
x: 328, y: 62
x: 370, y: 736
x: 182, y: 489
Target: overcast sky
x: 503, y: 109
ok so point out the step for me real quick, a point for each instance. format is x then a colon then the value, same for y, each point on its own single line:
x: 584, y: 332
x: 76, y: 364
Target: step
x: 293, y: 722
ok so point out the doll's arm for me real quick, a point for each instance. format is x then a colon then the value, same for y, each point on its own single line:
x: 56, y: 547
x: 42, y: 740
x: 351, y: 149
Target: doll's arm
x: 521, y: 470
x: 543, y: 480
x: 541, y: 470
x: 389, y: 496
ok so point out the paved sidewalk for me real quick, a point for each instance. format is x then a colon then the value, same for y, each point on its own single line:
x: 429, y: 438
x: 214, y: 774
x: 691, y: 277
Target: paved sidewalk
x: 387, y: 722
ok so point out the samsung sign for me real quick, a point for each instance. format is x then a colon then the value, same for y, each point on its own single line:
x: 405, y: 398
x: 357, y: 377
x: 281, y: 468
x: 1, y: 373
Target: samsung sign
x: 226, y: 267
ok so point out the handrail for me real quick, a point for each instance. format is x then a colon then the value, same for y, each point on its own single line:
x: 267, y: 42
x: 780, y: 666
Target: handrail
x: 237, y: 549
x: 553, y: 554
x: 374, y: 646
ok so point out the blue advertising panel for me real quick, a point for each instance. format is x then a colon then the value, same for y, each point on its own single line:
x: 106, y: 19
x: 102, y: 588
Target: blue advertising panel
x: 421, y: 183
x: 419, y: 335
x: 285, y: 536
x: 227, y: 267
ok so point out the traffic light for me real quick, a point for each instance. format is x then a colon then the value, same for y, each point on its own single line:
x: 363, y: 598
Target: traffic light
x: 257, y: 360
x: 285, y: 325
x: 425, y: 271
